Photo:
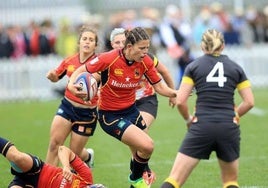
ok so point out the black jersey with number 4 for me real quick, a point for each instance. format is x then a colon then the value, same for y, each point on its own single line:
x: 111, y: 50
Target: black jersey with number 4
x: 215, y: 79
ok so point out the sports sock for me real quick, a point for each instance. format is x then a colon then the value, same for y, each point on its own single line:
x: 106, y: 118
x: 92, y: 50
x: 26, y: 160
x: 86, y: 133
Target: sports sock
x: 170, y: 183
x: 131, y: 164
x: 231, y: 184
x: 138, y: 167
x: 147, y: 168
x: 89, y: 157
x: 4, y: 146
x: 167, y: 185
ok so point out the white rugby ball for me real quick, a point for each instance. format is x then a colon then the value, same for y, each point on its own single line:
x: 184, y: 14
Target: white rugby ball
x: 88, y: 84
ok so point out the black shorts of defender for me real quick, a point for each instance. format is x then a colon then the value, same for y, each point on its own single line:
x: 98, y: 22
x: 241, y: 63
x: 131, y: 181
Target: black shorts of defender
x: 115, y: 123
x: 205, y: 137
x: 84, y: 120
x: 30, y: 178
x: 148, y: 104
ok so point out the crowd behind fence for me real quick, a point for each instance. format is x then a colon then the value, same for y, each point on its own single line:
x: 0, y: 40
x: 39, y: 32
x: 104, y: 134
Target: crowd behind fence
x: 48, y: 36
x: 26, y: 78
x: 27, y: 52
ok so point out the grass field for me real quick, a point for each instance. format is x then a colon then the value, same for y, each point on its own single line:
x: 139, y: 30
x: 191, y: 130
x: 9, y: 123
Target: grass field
x: 27, y: 124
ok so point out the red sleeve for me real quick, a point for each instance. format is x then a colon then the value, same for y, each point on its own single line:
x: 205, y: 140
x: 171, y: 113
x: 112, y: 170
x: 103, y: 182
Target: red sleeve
x: 61, y: 69
x: 151, y: 73
x: 68, y: 65
x: 82, y: 170
x: 102, y: 62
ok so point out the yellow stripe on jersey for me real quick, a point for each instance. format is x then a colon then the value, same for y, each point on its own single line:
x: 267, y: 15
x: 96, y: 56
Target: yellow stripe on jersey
x: 243, y: 85
x: 187, y: 80
x: 155, y: 61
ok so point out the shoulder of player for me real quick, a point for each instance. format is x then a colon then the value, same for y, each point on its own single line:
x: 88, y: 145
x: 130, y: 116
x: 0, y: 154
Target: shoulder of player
x: 148, y: 59
x: 110, y: 55
x: 72, y: 58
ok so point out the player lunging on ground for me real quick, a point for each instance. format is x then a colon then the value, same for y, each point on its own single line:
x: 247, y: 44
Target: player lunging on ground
x: 30, y: 171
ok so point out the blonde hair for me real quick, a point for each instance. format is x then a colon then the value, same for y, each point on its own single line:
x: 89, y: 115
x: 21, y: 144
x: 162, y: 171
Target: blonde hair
x: 212, y: 41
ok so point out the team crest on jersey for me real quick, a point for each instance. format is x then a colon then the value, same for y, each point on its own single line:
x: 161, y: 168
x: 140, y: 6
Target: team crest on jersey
x: 118, y: 72
x: 137, y: 73
x: 70, y: 68
x: 88, y: 130
x: 93, y: 61
x: 76, y: 184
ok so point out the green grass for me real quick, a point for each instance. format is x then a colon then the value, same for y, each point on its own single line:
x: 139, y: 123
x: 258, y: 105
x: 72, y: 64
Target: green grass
x: 27, y: 125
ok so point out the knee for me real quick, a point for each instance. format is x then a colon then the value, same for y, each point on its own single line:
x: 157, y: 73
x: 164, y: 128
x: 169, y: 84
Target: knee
x: 54, y: 145
x: 16, y: 158
x: 148, y: 147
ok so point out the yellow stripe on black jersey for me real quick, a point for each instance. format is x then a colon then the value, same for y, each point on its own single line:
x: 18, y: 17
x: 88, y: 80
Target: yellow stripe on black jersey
x: 187, y: 80
x: 243, y: 85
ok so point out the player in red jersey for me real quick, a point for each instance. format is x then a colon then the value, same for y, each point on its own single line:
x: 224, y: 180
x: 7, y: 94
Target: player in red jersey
x: 146, y: 98
x: 74, y: 116
x: 30, y: 171
x: 215, y: 125
x: 121, y: 73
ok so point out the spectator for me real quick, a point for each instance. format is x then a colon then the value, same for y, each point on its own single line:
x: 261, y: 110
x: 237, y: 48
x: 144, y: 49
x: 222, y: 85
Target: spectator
x: 174, y: 31
x: 66, y: 43
x: 6, y: 45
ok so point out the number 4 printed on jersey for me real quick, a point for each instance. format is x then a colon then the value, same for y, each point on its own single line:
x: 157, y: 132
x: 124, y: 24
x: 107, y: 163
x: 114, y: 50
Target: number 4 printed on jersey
x: 220, y: 79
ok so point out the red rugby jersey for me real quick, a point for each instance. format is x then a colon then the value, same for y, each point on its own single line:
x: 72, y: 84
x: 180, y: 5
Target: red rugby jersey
x: 51, y: 176
x: 145, y: 89
x: 120, y: 78
x: 67, y: 67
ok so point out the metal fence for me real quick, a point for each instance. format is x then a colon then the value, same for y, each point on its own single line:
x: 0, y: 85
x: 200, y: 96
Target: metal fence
x: 25, y: 79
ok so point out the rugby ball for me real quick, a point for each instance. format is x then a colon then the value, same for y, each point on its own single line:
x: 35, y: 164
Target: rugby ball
x: 88, y: 84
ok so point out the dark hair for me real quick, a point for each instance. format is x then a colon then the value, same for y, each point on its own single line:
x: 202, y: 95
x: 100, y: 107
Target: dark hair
x: 85, y: 28
x: 135, y: 35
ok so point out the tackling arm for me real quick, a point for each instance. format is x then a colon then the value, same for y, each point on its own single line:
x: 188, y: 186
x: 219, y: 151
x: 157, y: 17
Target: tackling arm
x: 66, y: 156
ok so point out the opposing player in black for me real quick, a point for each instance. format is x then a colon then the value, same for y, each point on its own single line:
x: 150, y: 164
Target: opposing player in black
x: 215, y: 123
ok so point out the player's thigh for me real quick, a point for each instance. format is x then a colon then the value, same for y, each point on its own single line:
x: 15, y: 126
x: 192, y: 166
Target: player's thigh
x: 60, y: 128
x: 138, y: 139
x: 78, y: 142
x: 148, y: 118
x: 229, y: 170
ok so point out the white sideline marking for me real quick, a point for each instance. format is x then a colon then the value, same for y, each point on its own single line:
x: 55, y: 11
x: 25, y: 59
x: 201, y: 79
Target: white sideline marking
x: 254, y: 186
x: 171, y: 162
x: 257, y: 111
x: 211, y: 160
